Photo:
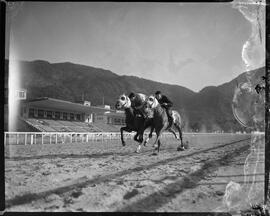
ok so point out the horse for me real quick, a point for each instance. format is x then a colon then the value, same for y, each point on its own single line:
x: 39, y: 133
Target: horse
x: 133, y: 122
x: 160, y: 123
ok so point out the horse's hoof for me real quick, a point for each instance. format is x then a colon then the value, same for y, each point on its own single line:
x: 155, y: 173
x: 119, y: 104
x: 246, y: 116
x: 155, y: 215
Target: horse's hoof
x: 180, y: 148
x: 155, y: 153
x: 123, y: 143
x: 137, y: 151
x: 155, y: 146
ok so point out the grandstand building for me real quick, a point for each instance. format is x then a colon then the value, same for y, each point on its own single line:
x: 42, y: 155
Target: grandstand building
x: 50, y: 115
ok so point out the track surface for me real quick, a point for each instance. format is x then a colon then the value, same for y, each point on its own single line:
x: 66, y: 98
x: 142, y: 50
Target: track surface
x: 108, y: 177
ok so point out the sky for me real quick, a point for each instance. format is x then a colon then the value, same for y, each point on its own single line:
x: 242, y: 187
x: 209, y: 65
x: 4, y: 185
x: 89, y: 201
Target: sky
x: 189, y: 44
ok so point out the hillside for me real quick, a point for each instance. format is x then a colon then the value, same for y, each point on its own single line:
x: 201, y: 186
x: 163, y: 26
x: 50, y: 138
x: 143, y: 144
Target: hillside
x: 209, y: 109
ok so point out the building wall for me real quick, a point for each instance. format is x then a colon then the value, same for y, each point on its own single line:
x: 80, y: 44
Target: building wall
x: 116, y: 120
x: 28, y: 111
x: 39, y: 112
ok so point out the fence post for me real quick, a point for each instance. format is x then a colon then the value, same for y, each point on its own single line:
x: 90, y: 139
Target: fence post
x: 50, y: 138
x: 17, y: 140
x: 56, y: 138
x: 25, y: 138
x: 35, y: 139
x: 31, y: 139
x: 87, y: 138
x: 41, y: 138
x: 70, y: 138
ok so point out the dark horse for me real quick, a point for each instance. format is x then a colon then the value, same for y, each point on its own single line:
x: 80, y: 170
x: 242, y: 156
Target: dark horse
x: 160, y: 121
x: 133, y: 122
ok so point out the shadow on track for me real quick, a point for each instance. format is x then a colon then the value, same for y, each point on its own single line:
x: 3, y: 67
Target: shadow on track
x: 170, y: 191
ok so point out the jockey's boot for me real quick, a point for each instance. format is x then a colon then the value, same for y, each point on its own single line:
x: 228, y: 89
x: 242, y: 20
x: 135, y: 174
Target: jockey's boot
x: 170, y: 118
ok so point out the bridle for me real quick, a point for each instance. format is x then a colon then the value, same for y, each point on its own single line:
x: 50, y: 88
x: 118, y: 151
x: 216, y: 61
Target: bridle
x: 151, y: 105
x: 126, y: 101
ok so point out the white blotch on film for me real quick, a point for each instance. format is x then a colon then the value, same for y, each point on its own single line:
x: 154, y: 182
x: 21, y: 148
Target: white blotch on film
x: 248, y: 109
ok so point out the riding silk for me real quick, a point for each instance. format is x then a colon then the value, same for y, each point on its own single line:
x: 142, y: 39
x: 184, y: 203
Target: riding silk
x: 165, y: 102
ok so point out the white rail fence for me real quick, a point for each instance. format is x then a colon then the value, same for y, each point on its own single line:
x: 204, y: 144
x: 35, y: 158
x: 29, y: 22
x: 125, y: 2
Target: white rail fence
x: 40, y: 138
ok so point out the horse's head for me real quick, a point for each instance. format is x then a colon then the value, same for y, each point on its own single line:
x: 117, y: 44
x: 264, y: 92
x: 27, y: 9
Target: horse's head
x: 152, y: 101
x: 147, y: 108
x: 122, y: 102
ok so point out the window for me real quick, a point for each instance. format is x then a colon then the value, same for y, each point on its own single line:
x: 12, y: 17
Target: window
x: 21, y: 94
x: 31, y: 113
x: 71, y: 116
x: 40, y: 113
x: 49, y: 114
x: 57, y: 115
x: 65, y: 116
x: 117, y: 121
x: 78, y: 116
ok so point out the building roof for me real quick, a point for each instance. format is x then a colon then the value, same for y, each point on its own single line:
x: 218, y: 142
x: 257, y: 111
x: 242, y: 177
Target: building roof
x: 52, y: 103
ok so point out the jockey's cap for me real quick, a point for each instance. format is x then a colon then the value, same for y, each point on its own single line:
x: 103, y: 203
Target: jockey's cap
x: 131, y: 95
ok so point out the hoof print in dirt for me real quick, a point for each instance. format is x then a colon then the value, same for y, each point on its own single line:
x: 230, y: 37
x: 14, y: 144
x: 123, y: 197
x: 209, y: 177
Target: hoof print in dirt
x: 131, y: 194
x: 76, y: 194
x: 67, y: 201
x: 119, y: 183
x: 53, y: 207
x: 59, y: 165
x: 219, y: 193
x: 46, y: 173
x: 80, y: 210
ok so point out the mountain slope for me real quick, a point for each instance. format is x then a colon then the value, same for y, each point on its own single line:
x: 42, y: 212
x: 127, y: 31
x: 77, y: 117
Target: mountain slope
x: 209, y: 109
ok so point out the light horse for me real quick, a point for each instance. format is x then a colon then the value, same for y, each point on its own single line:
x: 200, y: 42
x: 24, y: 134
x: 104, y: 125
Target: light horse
x: 133, y: 122
x: 160, y: 122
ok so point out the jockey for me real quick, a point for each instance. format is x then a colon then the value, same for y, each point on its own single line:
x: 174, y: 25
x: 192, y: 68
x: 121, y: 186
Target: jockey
x: 166, y: 103
x: 137, y: 101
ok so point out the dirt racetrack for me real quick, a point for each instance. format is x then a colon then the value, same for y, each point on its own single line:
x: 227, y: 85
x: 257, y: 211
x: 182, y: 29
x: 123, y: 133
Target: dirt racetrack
x: 104, y: 176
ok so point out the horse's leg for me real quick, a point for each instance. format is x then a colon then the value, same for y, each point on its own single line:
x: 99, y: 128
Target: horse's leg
x: 159, y: 145
x: 149, y: 136
x: 173, y: 132
x: 122, y: 137
x: 181, y: 147
x: 157, y: 142
x: 140, y: 140
x: 136, y: 137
